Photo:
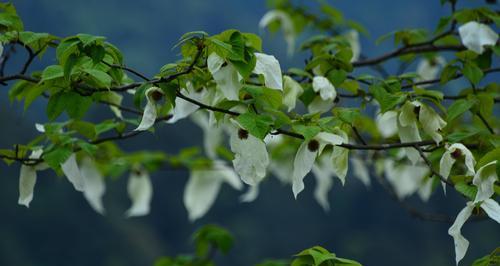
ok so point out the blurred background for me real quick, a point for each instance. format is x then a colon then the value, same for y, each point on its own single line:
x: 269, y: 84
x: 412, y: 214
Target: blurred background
x: 60, y: 228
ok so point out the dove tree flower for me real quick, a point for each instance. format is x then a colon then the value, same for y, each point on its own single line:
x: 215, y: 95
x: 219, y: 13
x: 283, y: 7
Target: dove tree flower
x: 269, y: 67
x: 428, y: 69
x: 27, y: 178
x: 140, y: 191
x: 475, y: 36
x: 452, y: 153
x: 291, y: 90
x: 327, y: 95
x: 286, y: 24
x: 153, y: 94
x: 94, y: 184
x: 483, y: 180
x: 184, y: 108
x: 203, y: 187
x: 225, y: 75
x: 352, y: 37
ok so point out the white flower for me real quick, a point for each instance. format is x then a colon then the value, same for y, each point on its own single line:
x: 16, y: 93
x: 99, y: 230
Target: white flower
x: 490, y: 207
x: 27, y: 179
x: 406, y: 179
x: 72, y: 172
x: 140, y: 191
x: 149, y: 114
x: 226, y: 77
x: 387, y: 123
x: 484, y: 179
x: 319, y: 105
x: 449, y: 157
x: 250, y: 155
x: 269, y: 67
x: 292, y: 90
x: 425, y: 190
x: 203, y: 187
x: 476, y: 35
x: 94, y: 184
x: 352, y: 37
x: 184, y: 108
x: 212, y: 134
x: 429, y: 69
x: 324, y: 87
x: 431, y: 122
x: 408, y: 130
x: 323, y: 173
x: 360, y: 170
x: 286, y: 25
x: 40, y: 128
x: 306, y: 155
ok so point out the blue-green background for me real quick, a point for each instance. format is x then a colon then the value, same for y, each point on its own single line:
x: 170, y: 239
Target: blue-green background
x: 61, y: 229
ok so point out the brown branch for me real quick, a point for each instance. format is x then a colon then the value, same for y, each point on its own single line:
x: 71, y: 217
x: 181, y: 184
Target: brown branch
x: 429, y: 164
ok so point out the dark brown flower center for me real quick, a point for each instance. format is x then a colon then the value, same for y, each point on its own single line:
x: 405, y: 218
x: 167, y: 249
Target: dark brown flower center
x: 456, y: 154
x: 156, y: 95
x: 313, y: 145
x: 242, y: 134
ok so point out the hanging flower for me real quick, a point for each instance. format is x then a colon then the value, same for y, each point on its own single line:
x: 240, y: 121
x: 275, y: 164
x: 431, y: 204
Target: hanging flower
x: 306, y: 156
x: 323, y: 173
x: 184, y: 108
x: 387, y: 123
x: 360, y: 170
x: 286, y: 25
x: 476, y: 35
x: 292, y: 90
x: 212, y: 134
x: 153, y: 94
x: 225, y: 75
x: 352, y: 37
x: 405, y: 179
x: 269, y: 67
x: 203, y: 187
x: 94, y: 184
x: 449, y: 157
x: 484, y: 180
x: 140, y: 191
x: 428, y: 69
x: 27, y: 178
x: 72, y: 172
x: 250, y: 155
x: 327, y: 95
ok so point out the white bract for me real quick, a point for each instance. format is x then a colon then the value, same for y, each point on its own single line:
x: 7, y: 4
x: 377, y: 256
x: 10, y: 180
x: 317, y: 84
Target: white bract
x: 360, y: 170
x: 476, y: 35
x: 323, y: 173
x: 387, y: 123
x: 428, y: 69
x: 286, y: 25
x: 251, y: 194
x: 352, y: 37
x: 447, y: 160
x: 212, y: 134
x: 327, y: 95
x: 226, y: 77
x: 292, y: 90
x: 250, y: 155
x: 203, y: 187
x: 140, y: 191
x: 94, y: 184
x: 27, y: 178
x: 149, y: 114
x: 72, y: 172
x: 184, y: 108
x: 484, y: 180
x: 269, y: 67
x: 306, y: 155
x: 406, y: 179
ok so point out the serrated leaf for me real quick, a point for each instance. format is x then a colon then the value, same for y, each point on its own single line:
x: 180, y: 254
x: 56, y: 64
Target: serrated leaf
x: 257, y: 125
x: 459, y: 107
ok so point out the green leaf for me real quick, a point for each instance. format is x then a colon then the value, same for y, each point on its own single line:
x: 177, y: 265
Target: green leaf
x: 466, y: 190
x: 55, y: 157
x: 212, y: 236
x: 387, y: 100
x: 73, y: 103
x: 489, y: 157
x: 52, y: 72
x: 308, y: 132
x: 472, y: 72
x: 100, y: 77
x: 458, y: 108
x: 257, y: 125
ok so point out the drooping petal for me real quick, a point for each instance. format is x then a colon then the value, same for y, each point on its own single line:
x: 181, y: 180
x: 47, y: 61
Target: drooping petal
x: 326, y: 138
x: 94, y: 184
x: 140, y: 192
x: 302, y: 165
x: 319, y: 105
x: 251, y: 194
x: 492, y: 209
x: 360, y: 170
x: 292, y: 90
x: 324, y: 181
x: 431, y: 122
x: 387, y: 123
x: 269, y: 66
x: 428, y: 69
x: 476, y: 35
x: 27, y: 181
x: 286, y: 25
x: 340, y: 162
x: 149, y: 114
x: 425, y: 189
x: 184, y: 108
x: 461, y: 244
x: 72, y: 172
x: 324, y: 87
x: 447, y: 161
x: 226, y: 77
x: 406, y: 179
x: 203, y: 187
x: 410, y: 134
x: 484, y: 179
x: 352, y: 37
x: 250, y: 157
x: 212, y: 135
